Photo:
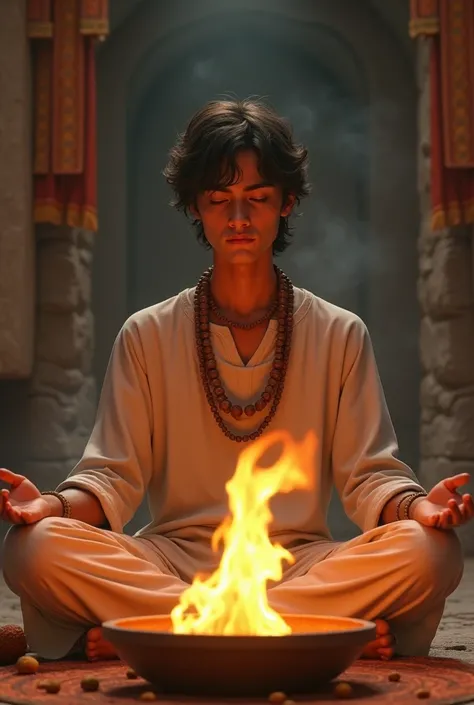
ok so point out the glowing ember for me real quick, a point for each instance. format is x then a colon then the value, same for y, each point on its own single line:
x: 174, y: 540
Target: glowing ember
x: 233, y: 600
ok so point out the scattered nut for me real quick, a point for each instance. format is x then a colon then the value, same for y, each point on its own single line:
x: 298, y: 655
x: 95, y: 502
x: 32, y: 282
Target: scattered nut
x: 27, y: 664
x: 423, y: 694
x: 131, y: 674
x: 343, y: 690
x: 52, y: 686
x: 12, y: 644
x: 89, y: 685
x: 277, y: 697
x: 148, y: 695
x: 394, y: 677
x: 42, y: 684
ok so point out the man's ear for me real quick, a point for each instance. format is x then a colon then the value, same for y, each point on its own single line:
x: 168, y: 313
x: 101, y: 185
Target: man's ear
x: 194, y: 211
x: 288, y: 205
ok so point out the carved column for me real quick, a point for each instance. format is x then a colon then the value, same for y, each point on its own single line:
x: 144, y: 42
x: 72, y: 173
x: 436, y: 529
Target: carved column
x: 63, y: 390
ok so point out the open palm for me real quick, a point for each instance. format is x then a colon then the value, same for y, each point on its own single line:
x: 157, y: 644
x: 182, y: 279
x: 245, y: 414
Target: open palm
x: 23, y: 502
x: 443, y: 507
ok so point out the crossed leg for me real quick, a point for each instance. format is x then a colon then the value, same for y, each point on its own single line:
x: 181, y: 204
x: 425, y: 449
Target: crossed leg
x: 399, y: 574
x: 71, y: 577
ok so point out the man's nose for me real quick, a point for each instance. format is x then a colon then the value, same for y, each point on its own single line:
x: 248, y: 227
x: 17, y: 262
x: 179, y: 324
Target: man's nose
x: 239, y: 215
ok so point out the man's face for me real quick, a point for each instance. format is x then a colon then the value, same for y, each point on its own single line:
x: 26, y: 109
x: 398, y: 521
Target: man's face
x: 241, y: 221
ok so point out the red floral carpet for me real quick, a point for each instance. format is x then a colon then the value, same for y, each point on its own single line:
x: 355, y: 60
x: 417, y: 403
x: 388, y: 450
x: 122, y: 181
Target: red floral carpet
x: 435, y: 681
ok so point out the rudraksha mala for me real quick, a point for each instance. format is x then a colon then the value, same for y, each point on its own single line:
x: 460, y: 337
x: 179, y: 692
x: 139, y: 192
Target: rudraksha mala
x: 213, y: 388
x: 244, y: 326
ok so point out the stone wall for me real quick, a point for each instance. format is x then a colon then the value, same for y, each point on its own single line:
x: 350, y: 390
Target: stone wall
x: 62, y: 390
x: 446, y: 296
x: 17, y: 251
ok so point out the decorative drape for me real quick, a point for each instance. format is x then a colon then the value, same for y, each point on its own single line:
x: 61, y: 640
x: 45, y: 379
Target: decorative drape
x: 63, y: 35
x: 450, y: 26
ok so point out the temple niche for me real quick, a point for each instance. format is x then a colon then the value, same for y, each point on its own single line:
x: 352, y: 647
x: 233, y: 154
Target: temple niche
x: 355, y: 242
x: 356, y: 88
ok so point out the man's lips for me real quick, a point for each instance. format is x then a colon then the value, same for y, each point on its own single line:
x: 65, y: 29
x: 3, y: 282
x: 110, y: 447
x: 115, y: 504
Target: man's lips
x: 236, y: 239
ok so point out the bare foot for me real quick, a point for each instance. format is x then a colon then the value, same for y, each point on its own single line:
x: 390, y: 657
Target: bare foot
x: 383, y: 645
x: 98, y: 648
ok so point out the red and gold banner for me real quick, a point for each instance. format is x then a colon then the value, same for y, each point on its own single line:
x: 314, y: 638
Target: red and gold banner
x: 68, y: 90
x: 72, y: 199
x: 424, y: 17
x: 457, y: 75
x: 94, y: 17
x: 65, y: 160
x: 42, y: 75
x: 40, y: 19
x: 450, y: 26
x: 452, y: 190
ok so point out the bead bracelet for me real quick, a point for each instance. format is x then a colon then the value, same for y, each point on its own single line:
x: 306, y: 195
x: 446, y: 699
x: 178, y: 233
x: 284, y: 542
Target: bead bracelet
x: 411, y: 498
x: 67, y: 509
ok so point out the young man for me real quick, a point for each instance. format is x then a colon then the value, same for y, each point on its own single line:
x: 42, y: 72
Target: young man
x: 194, y: 378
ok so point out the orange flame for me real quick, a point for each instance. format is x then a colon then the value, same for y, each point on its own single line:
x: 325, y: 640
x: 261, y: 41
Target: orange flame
x: 233, y: 600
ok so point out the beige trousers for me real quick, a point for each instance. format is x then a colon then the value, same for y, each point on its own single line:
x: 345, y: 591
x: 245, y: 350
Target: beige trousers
x: 71, y: 576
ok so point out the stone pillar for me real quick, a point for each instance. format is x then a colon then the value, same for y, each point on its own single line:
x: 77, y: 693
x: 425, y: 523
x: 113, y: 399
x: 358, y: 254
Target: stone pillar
x: 63, y: 393
x: 446, y: 296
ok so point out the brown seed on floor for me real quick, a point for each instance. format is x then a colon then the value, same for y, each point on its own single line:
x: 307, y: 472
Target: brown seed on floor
x: 52, y: 686
x: 27, y: 664
x: 422, y: 693
x: 89, y: 685
x: 343, y: 690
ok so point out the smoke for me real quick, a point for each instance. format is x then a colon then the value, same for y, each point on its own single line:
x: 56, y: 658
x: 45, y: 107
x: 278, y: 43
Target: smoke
x: 331, y: 254
x: 206, y: 70
x: 334, y: 257
x: 335, y: 249
x: 303, y: 118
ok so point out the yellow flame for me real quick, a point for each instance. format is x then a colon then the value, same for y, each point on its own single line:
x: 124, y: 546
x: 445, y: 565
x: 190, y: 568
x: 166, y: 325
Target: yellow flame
x: 233, y: 600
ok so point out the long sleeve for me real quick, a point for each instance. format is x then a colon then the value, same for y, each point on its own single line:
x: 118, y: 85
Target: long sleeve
x: 117, y: 462
x: 366, y: 471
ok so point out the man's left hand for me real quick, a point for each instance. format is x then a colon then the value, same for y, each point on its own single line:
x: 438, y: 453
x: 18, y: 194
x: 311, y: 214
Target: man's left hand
x: 444, y: 508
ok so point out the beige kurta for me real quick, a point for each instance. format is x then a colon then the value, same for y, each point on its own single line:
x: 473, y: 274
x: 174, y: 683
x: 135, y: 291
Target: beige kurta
x: 154, y: 432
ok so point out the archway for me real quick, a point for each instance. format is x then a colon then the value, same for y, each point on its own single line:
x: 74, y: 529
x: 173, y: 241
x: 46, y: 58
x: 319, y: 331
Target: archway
x: 353, y: 48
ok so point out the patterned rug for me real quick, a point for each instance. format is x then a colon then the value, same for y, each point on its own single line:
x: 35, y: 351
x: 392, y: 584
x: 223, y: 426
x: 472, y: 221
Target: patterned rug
x: 436, y: 680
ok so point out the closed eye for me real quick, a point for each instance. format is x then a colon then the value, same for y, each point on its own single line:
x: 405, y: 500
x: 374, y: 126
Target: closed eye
x: 256, y: 199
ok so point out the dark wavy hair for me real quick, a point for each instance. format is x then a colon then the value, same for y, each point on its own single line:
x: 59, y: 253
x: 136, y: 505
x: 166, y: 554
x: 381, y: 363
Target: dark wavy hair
x: 204, y: 157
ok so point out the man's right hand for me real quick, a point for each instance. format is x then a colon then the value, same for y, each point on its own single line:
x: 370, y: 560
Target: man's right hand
x: 23, y: 502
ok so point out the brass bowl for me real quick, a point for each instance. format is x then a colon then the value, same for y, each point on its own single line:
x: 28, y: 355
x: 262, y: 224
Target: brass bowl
x: 318, y: 650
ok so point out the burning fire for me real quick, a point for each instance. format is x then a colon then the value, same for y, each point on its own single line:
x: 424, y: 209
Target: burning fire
x: 233, y: 600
